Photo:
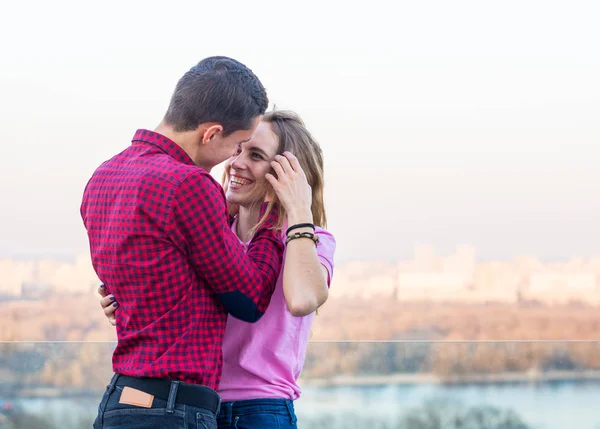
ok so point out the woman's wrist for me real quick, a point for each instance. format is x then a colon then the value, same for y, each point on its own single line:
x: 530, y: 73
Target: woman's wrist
x: 301, y: 227
x: 299, y: 216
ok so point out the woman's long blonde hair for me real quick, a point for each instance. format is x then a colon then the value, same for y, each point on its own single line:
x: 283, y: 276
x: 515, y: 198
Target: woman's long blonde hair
x: 295, y: 138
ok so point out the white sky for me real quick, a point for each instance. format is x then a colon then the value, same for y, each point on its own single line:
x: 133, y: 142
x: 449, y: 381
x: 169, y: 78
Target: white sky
x: 442, y: 122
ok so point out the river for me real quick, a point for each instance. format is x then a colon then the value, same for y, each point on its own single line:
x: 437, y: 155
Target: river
x: 549, y: 405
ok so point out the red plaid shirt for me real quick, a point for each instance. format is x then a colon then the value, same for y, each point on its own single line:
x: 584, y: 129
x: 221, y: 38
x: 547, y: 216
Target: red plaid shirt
x: 160, y: 241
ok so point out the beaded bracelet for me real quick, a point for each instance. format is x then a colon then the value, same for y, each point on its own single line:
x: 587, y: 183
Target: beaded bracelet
x: 296, y: 235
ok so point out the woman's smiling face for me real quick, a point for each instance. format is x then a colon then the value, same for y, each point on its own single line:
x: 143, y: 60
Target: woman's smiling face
x: 246, y: 169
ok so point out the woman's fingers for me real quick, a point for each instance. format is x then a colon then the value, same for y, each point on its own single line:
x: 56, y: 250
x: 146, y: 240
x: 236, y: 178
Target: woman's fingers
x: 285, y: 164
x: 110, y: 310
x: 108, y: 304
x: 107, y: 301
x: 278, y: 169
x: 295, y: 164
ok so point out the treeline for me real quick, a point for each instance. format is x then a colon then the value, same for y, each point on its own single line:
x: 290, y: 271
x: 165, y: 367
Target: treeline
x: 451, y: 339
x: 448, y: 359
x: 416, y: 338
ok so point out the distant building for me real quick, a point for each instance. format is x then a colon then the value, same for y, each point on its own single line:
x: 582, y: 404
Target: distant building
x: 431, y: 287
x: 562, y: 288
x: 35, y: 290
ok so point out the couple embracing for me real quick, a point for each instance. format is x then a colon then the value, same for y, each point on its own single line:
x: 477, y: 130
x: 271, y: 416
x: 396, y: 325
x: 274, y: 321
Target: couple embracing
x: 212, y: 287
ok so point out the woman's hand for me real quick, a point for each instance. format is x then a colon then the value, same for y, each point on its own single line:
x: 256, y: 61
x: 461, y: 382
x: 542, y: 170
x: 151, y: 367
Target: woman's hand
x: 292, y: 188
x: 109, y: 305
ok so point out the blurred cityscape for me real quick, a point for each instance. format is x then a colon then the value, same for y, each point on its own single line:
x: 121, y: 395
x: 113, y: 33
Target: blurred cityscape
x: 458, y: 277
x: 436, y: 326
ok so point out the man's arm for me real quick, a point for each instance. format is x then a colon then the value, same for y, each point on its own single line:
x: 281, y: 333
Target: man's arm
x: 244, y: 282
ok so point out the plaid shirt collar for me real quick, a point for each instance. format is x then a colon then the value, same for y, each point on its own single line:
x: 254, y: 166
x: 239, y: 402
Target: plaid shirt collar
x: 163, y: 143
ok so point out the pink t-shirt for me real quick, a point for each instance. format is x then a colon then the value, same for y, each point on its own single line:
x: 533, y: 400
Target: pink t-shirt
x: 264, y: 359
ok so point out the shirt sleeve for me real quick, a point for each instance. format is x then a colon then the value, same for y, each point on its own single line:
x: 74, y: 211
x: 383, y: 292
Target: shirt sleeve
x: 325, y: 251
x: 243, y: 282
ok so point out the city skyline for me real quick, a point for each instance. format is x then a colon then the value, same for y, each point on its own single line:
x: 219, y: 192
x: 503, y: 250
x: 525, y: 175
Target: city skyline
x: 428, y: 275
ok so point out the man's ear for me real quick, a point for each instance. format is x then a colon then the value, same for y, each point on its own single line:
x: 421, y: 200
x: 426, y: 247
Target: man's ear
x: 210, y: 132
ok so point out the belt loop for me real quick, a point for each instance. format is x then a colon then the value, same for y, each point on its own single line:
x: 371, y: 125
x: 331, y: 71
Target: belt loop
x: 227, y: 409
x: 218, y: 408
x: 290, y: 407
x: 113, y: 383
x: 172, y: 396
x: 109, y: 390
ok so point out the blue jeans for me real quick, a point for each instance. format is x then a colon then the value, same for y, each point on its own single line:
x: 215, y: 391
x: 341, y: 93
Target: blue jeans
x: 258, y: 414
x: 162, y: 415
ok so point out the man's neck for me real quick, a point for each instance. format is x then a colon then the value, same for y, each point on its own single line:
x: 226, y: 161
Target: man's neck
x: 246, y: 220
x: 187, y: 141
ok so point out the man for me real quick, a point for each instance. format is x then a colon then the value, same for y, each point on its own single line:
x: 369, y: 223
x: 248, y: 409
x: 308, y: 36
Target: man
x: 160, y: 242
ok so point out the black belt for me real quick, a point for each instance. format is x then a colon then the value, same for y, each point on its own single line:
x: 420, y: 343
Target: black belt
x: 194, y: 395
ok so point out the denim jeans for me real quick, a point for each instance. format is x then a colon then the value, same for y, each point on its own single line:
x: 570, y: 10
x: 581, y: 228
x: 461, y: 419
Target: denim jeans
x: 162, y: 415
x: 258, y: 414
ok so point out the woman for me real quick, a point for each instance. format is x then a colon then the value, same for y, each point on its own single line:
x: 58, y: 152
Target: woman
x: 262, y: 361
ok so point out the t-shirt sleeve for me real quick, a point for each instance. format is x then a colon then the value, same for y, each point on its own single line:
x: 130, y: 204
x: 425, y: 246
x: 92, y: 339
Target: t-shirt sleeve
x: 325, y: 251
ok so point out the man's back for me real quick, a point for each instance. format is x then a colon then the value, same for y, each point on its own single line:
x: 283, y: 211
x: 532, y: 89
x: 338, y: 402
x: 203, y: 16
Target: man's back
x: 170, y: 322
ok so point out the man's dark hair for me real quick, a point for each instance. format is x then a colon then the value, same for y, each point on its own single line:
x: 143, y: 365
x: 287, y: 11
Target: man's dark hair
x: 217, y: 89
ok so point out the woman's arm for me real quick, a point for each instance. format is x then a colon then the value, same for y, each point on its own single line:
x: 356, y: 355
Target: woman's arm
x: 305, y: 279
